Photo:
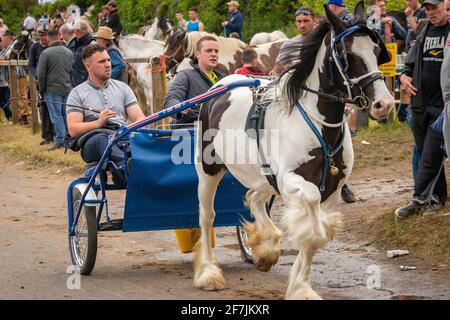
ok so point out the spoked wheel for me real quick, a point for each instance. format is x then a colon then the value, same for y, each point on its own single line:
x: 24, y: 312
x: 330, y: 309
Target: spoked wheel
x: 242, y: 236
x: 83, y: 244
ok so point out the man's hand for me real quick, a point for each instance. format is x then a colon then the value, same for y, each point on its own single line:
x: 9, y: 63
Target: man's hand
x: 408, y: 12
x: 105, y: 114
x: 185, y: 111
x: 386, y: 20
x: 407, y: 84
x: 224, y: 24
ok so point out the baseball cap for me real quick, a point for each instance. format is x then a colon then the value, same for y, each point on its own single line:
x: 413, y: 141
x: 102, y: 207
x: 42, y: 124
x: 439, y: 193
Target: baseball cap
x: 433, y: 2
x: 339, y: 3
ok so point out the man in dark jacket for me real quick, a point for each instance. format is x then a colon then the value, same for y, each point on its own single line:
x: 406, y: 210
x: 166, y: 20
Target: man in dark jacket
x: 105, y: 38
x: 234, y: 21
x: 189, y: 83
x: 420, y: 78
x: 113, y: 20
x: 36, y: 49
x: 83, y: 38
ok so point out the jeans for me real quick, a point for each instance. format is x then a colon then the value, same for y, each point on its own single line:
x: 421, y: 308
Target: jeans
x: 415, y: 153
x: 56, y: 104
x: 4, y: 99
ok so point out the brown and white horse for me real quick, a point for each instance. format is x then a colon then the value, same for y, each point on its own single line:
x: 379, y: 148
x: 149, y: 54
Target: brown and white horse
x: 265, y: 37
x: 307, y: 178
x: 159, y: 28
x: 181, y: 45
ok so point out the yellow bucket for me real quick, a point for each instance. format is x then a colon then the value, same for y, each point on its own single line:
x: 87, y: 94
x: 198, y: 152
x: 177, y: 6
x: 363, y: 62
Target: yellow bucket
x: 187, y: 238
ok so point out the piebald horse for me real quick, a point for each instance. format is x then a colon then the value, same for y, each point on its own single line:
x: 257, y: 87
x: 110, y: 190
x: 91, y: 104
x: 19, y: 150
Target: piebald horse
x: 305, y: 110
x: 181, y: 45
x: 160, y: 29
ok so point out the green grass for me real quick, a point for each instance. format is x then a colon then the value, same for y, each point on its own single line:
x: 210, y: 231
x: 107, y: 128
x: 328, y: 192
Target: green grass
x: 424, y: 236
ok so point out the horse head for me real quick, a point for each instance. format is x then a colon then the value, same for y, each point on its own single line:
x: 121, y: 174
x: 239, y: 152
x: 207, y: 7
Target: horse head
x: 175, y: 48
x: 21, y: 46
x: 166, y: 26
x: 349, y: 68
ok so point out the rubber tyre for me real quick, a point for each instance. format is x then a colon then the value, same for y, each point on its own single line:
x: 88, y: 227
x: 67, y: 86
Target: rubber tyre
x: 85, y: 260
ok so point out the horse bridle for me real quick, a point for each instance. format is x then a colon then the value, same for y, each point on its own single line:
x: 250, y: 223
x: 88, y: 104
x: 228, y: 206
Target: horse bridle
x: 172, y: 57
x: 338, y: 57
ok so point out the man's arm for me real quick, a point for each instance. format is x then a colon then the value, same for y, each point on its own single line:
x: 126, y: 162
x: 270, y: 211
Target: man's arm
x: 135, y: 113
x: 118, y: 65
x: 399, y: 31
x: 32, y: 60
x: 41, y: 72
x: 77, y: 126
x: 201, y: 28
x: 235, y: 24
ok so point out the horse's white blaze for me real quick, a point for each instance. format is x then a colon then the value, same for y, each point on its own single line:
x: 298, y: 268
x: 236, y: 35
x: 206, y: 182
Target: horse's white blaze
x: 364, y: 48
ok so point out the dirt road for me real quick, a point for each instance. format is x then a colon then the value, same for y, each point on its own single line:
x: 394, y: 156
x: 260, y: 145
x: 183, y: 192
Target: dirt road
x: 34, y: 255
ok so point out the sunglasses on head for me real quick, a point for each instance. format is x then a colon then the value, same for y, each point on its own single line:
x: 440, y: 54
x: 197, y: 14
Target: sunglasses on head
x: 303, y: 11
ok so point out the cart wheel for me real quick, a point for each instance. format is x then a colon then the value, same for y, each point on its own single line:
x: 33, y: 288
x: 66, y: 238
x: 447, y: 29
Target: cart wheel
x: 83, y: 245
x: 246, y: 251
x: 242, y: 236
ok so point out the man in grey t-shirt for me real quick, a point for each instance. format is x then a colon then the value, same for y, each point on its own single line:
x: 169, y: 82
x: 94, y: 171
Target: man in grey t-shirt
x: 113, y: 101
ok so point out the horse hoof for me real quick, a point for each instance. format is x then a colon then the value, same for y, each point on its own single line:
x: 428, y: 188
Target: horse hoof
x: 304, y: 294
x: 210, y: 279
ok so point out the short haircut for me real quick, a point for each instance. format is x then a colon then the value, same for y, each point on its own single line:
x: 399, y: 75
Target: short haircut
x: 179, y: 11
x: 203, y: 39
x: 89, y: 51
x: 305, y: 11
x: 52, y: 34
x: 248, y: 55
x: 194, y: 9
x: 67, y: 28
x: 81, y: 24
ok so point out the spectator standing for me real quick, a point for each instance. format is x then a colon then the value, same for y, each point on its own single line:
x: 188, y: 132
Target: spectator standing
x: 234, y: 21
x: 36, y: 49
x: 5, y: 43
x: 182, y: 24
x: 194, y: 24
x: 53, y: 74
x: 103, y: 16
x: 414, y: 14
x: 3, y: 27
x: 67, y: 33
x: 388, y: 27
x: 189, y: 83
x: 104, y: 38
x: 29, y: 23
x: 339, y: 9
x: 423, y: 62
x: 83, y: 38
x: 445, y: 84
x: 288, y: 55
x: 250, y: 63
x: 113, y: 20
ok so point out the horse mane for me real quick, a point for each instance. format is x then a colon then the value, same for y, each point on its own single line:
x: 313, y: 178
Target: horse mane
x: 299, y: 72
x: 139, y: 38
x: 226, y: 45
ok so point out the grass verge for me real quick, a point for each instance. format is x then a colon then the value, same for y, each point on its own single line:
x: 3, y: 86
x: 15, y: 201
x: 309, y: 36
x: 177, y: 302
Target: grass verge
x: 19, y: 146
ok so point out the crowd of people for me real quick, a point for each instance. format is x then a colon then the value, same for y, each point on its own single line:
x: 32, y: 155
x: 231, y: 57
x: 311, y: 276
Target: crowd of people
x: 79, y: 74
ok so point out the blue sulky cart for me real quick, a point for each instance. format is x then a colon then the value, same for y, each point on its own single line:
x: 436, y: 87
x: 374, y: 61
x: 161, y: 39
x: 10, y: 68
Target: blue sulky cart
x: 160, y: 195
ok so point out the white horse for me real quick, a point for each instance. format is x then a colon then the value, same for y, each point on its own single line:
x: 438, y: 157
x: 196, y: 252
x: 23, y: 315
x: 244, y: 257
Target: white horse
x: 265, y: 37
x: 306, y: 168
x: 138, y: 47
x: 160, y: 29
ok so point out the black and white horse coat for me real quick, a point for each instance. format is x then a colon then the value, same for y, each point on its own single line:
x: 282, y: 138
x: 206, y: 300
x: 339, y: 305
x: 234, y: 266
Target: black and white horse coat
x: 295, y: 155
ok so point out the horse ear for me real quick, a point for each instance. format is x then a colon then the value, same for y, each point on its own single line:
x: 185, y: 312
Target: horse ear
x: 360, y: 14
x: 335, y: 22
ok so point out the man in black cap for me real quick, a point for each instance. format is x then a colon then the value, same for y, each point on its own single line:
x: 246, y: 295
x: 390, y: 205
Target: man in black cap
x: 420, y: 78
x: 47, y: 130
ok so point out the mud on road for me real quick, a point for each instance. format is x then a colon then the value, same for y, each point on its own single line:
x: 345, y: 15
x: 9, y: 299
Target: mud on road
x: 34, y: 254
